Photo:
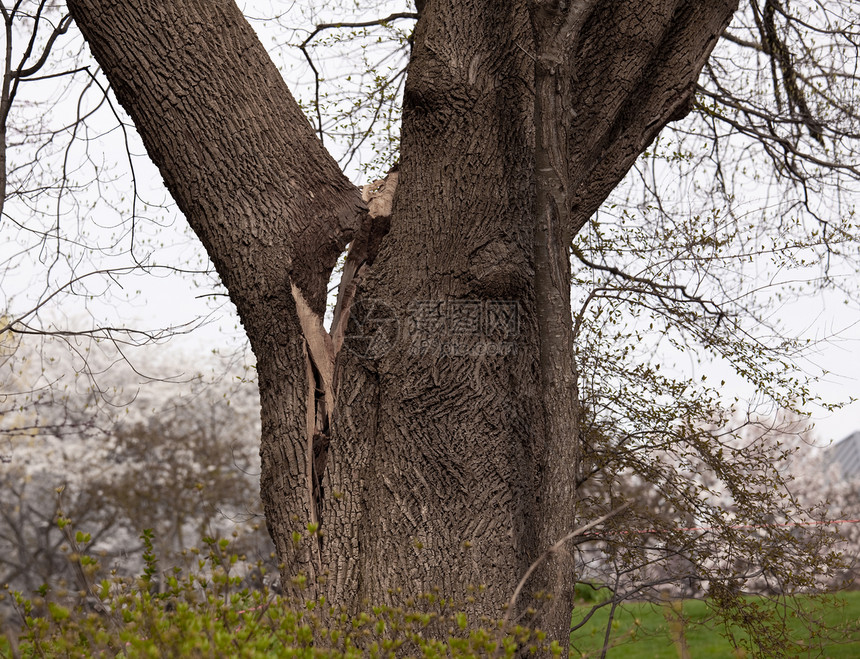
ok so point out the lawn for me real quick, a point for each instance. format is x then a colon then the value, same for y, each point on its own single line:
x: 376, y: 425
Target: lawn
x: 658, y: 631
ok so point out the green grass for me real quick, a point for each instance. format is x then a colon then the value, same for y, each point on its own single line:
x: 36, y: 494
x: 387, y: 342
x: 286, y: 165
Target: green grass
x: 653, y: 631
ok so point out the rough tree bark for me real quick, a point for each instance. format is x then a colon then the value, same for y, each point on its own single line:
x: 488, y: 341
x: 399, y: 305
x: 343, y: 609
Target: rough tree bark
x: 445, y: 457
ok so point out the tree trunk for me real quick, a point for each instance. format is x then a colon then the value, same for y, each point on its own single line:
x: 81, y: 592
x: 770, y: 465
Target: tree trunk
x: 433, y: 439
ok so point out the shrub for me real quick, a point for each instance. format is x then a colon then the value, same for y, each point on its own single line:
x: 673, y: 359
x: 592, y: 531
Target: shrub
x: 208, y: 610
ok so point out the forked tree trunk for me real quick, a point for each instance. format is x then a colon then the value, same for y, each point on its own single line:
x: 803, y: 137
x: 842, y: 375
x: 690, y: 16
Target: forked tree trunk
x: 433, y: 439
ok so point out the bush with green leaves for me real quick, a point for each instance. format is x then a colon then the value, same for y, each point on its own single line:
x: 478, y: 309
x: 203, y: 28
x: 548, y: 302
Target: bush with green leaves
x: 208, y: 610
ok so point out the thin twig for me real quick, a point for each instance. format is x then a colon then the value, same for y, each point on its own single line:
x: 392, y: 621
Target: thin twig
x: 540, y: 559
x: 333, y: 26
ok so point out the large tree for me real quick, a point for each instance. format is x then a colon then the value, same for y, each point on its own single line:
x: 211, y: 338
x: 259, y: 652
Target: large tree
x: 432, y: 438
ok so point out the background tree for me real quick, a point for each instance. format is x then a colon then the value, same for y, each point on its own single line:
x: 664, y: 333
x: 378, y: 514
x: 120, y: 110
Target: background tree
x: 462, y: 443
x: 823, y: 480
x: 183, y: 464
x: 188, y: 469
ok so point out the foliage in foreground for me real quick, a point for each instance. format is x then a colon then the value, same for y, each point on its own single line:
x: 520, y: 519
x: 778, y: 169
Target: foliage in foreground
x: 210, y: 610
x: 220, y: 606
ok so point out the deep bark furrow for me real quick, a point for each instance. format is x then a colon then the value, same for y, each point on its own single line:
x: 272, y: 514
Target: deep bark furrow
x: 560, y: 447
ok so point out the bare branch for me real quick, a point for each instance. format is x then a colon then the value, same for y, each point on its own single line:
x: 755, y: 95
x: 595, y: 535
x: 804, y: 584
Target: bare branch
x: 554, y: 548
